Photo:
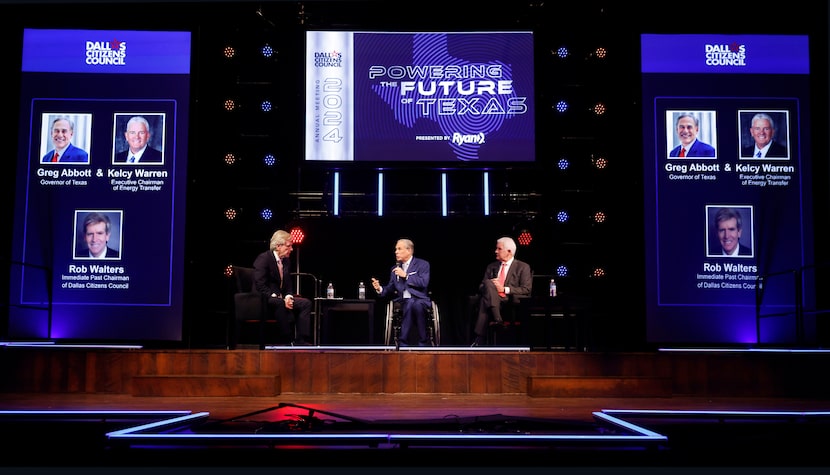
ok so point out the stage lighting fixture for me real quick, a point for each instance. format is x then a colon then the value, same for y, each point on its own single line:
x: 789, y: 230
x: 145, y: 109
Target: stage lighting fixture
x: 599, y: 217
x: 600, y: 162
x: 600, y: 53
x: 230, y: 159
x: 266, y: 214
x: 229, y: 52
x: 267, y: 51
x: 230, y: 105
x: 297, y: 235
x: 561, y: 106
x: 599, y: 108
x: 561, y: 52
x: 562, y: 271
x: 266, y: 106
x: 598, y: 273
x: 564, y: 163
x: 230, y: 214
x: 562, y: 216
x: 525, y: 238
x: 228, y: 270
x: 269, y: 159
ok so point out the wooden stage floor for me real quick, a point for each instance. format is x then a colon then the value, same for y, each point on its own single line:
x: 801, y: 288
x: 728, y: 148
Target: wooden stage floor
x: 730, y: 410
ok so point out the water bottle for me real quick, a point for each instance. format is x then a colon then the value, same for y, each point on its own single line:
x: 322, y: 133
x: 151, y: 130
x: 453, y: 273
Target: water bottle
x: 361, y: 291
x: 552, y: 288
x: 330, y: 291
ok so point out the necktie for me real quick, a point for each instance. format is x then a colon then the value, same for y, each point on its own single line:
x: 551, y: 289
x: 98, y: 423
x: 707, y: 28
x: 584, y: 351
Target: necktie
x: 682, y: 152
x: 501, y: 277
x: 279, y: 266
x: 758, y: 155
x: 55, y: 157
x: 132, y: 158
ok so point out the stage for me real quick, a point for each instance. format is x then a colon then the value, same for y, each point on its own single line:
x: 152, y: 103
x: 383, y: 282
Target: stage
x: 458, y: 407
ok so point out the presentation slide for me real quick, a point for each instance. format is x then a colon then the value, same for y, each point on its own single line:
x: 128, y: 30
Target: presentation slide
x: 101, y: 177
x: 727, y: 183
x: 419, y: 97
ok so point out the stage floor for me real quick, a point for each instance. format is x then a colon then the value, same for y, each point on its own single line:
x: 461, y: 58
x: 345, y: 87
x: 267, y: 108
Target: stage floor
x: 417, y: 430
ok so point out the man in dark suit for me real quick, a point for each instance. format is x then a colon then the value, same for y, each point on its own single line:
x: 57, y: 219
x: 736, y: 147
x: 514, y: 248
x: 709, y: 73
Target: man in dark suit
x: 506, y: 280
x: 97, y: 228
x: 64, y: 152
x: 272, y: 278
x: 138, y: 137
x: 762, y: 130
x: 729, y: 227
x: 409, y: 286
x: 688, y: 127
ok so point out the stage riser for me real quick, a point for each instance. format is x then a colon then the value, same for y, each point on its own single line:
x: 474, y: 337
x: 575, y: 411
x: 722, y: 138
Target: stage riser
x: 254, y: 372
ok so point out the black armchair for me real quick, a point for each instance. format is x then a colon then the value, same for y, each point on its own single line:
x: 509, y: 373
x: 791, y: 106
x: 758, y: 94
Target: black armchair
x: 250, y: 309
x: 254, y: 319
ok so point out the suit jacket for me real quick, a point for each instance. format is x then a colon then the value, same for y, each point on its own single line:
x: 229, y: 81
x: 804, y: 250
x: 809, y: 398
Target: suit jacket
x: 83, y: 252
x: 417, y: 281
x: 698, y: 149
x: 775, y: 150
x: 519, y: 277
x: 72, y: 154
x: 267, y: 277
x: 717, y: 250
x: 150, y: 155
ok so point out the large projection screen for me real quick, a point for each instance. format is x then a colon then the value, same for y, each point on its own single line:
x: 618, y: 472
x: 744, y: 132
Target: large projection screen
x: 420, y: 97
x: 722, y: 217
x: 118, y: 186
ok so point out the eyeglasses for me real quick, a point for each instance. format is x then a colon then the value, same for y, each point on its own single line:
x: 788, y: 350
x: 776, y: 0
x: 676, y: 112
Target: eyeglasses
x: 132, y: 133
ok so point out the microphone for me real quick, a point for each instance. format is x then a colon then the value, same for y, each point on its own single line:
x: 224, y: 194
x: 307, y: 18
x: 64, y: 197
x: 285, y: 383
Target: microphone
x: 398, y: 264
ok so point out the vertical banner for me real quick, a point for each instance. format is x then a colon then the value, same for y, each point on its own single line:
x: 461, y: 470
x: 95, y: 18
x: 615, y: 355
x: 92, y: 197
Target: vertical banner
x: 727, y: 183
x: 101, y: 177
x: 329, y: 133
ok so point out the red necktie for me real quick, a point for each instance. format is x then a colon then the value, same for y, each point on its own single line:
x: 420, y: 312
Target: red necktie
x: 682, y: 152
x: 55, y: 157
x: 501, y: 278
x: 279, y: 264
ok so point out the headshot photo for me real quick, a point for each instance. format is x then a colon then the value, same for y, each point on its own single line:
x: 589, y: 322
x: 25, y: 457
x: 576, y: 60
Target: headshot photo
x: 691, y: 134
x: 65, y: 138
x: 729, y: 231
x: 138, y: 139
x: 98, y: 234
x: 764, y: 135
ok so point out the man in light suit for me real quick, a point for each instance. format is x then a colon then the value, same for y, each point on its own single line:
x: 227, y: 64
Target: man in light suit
x: 688, y: 127
x: 64, y: 152
x: 496, y: 290
x: 138, y: 138
x: 408, y: 285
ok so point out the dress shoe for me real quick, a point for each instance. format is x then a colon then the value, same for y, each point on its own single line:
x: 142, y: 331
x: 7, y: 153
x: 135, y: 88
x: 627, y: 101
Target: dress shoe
x: 477, y: 342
